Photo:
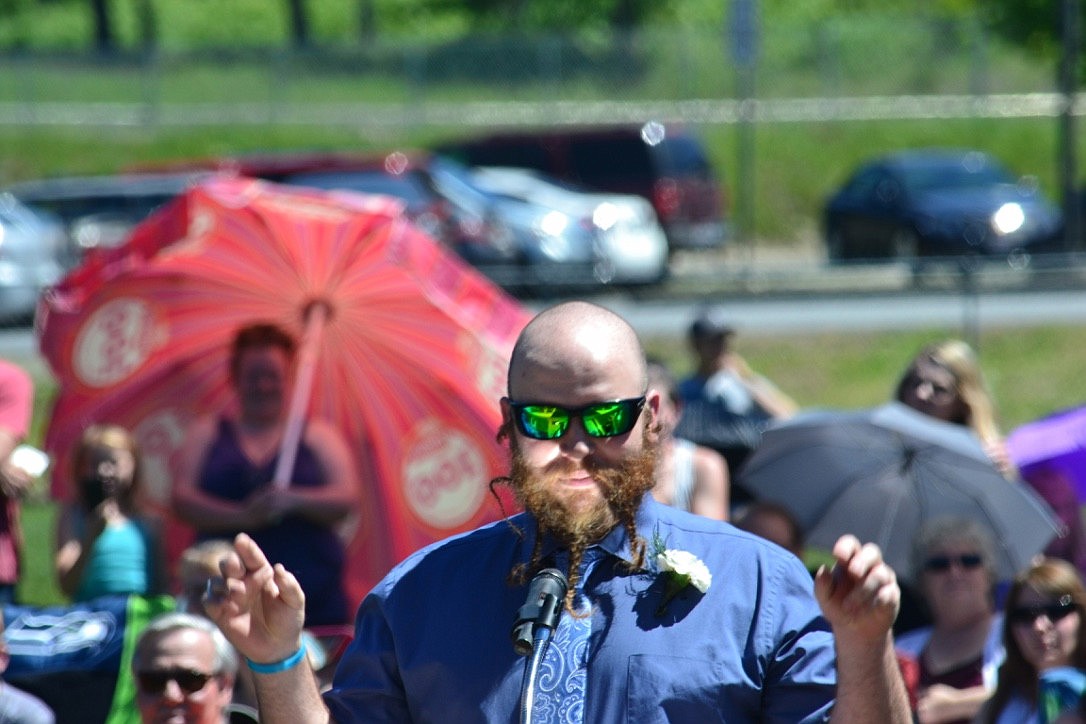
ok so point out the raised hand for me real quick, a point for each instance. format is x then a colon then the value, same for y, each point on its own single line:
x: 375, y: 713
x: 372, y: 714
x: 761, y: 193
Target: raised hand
x: 859, y: 595
x: 259, y: 607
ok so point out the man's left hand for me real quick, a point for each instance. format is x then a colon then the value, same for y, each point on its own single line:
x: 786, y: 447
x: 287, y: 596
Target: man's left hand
x: 859, y: 595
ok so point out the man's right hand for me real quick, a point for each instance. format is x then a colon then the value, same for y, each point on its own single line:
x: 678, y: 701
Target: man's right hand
x: 259, y: 607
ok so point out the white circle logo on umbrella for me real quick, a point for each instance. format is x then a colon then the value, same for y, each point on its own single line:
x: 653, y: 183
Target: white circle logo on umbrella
x: 442, y: 473
x: 114, y: 342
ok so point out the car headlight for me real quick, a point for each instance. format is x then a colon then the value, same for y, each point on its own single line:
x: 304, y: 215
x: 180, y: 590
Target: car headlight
x: 605, y: 216
x: 1008, y: 218
x: 553, y: 223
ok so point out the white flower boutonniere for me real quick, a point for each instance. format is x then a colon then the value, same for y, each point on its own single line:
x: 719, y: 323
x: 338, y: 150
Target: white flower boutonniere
x: 682, y: 569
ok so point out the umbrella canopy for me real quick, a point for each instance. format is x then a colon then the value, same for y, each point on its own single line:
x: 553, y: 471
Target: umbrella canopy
x: 1054, y: 442
x: 880, y: 474
x: 407, y: 357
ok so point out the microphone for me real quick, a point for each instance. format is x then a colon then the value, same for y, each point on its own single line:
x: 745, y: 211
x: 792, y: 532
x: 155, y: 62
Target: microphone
x: 546, y: 594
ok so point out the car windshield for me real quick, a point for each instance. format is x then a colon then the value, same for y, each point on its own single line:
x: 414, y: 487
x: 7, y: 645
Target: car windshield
x: 968, y: 172
x: 456, y: 183
x: 405, y: 187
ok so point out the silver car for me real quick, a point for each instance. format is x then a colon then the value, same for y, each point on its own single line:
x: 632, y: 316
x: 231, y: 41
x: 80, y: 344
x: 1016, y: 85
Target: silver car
x: 32, y: 251
x: 631, y: 245
x: 524, y: 247
x: 98, y: 212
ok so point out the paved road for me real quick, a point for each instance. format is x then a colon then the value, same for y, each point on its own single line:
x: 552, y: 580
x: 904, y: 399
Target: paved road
x: 772, y: 316
x: 767, y: 314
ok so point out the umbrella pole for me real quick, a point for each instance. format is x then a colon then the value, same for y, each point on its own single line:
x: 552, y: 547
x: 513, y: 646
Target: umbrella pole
x: 299, y: 401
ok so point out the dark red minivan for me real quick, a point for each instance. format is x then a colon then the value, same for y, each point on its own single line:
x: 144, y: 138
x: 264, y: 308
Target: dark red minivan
x: 665, y: 164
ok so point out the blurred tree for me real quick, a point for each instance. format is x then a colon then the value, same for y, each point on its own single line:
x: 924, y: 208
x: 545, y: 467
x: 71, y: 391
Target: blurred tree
x: 628, y: 14
x: 148, y: 25
x: 556, y: 14
x: 299, y: 23
x: 367, y: 20
x: 1033, y: 24
x: 104, y: 39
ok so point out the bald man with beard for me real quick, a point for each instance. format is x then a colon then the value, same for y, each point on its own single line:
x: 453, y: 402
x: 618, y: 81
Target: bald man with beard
x: 432, y: 639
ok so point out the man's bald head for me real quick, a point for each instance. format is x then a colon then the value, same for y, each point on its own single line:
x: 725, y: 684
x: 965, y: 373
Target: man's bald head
x: 575, y: 337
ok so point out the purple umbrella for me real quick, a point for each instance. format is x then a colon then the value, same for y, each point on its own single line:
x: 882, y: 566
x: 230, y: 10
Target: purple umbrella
x: 1056, y: 442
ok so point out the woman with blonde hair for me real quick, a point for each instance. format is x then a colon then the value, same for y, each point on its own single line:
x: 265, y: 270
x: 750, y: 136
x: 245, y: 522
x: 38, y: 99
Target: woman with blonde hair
x: 945, y: 381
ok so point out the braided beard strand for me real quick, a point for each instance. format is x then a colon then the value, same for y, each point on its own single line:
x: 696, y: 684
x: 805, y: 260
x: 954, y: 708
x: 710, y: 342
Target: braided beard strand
x: 622, y: 487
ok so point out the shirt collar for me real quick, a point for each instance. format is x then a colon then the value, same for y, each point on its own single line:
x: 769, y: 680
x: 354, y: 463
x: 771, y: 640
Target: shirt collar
x: 616, y: 542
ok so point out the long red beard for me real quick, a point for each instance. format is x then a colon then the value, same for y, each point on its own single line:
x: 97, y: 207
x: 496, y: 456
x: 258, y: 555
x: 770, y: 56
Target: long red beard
x: 622, y: 488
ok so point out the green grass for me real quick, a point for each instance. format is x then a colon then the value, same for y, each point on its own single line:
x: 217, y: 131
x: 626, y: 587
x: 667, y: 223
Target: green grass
x: 1032, y: 372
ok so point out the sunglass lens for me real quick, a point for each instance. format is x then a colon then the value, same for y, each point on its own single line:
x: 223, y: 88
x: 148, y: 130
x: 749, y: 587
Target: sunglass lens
x: 191, y: 681
x: 1052, y: 611
x: 151, y: 682
x: 543, y: 423
x: 155, y: 682
x: 940, y: 564
x: 1059, y: 610
x: 614, y: 418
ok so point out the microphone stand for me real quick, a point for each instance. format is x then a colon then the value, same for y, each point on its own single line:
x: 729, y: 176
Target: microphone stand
x: 535, y: 623
x: 541, y: 639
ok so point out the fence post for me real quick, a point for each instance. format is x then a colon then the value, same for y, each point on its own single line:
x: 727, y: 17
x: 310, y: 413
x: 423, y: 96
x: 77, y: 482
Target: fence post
x: 1066, y: 162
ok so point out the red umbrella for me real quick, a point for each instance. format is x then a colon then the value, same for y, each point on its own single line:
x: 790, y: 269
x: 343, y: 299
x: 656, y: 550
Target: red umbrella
x: 406, y: 348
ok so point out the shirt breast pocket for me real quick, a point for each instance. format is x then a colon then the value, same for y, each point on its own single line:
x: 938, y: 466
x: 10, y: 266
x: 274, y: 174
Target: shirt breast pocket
x: 674, y: 689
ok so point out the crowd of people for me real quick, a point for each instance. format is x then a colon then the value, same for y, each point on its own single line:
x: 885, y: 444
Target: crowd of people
x: 626, y: 479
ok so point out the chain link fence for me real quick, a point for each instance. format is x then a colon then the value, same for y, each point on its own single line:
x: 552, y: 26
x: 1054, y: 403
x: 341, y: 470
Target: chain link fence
x: 859, y: 67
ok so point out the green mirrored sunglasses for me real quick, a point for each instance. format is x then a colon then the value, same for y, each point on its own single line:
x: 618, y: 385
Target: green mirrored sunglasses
x: 544, y: 421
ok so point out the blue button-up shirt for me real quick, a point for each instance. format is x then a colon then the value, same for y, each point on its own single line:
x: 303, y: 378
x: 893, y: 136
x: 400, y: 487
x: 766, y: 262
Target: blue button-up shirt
x: 433, y: 644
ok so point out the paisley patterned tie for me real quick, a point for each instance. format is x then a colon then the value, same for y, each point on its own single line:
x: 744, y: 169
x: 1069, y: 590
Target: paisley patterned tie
x: 560, y: 690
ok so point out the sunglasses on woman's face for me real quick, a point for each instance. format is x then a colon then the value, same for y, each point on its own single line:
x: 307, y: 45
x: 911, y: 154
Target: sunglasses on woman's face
x: 942, y: 564
x: 154, y: 681
x: 937, y: 389
x: 544, y: 421
x: 1054, y: 611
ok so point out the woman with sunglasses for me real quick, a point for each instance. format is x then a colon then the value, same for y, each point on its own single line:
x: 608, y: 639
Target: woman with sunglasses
x: 1042, y: 631
x: 959, y: 654
x: 945, y: 381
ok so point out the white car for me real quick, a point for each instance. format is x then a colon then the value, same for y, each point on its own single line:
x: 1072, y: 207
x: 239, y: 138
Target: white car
x: 631, y: 243
x: 32, y: 253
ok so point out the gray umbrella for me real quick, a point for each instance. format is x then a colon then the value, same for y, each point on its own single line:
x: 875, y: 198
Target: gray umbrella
x: 881, y: 473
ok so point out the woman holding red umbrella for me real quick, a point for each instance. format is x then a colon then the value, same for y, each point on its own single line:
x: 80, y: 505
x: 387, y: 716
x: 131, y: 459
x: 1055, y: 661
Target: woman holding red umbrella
x: 224, y: 483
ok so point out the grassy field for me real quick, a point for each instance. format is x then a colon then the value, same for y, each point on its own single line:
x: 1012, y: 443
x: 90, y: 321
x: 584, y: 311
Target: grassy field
x: 1031, y: 372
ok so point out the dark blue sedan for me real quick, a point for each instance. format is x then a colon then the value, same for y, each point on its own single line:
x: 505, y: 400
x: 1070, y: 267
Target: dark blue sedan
x: 939, y: 203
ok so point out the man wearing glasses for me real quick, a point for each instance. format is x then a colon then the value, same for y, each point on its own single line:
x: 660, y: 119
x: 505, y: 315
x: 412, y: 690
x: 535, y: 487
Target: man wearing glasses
x: 667, y: 616
x: 184, y: 670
